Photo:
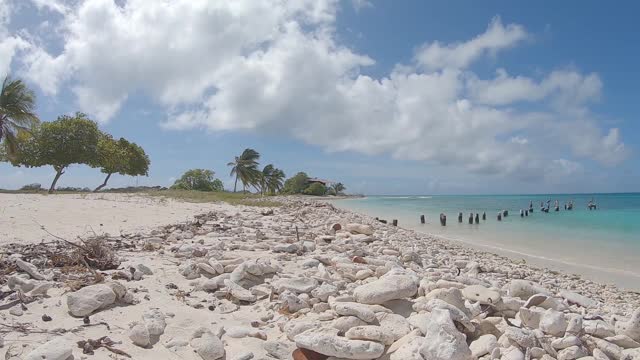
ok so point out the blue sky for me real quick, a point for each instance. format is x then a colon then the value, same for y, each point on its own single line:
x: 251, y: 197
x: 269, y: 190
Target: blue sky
x: 402, y: 97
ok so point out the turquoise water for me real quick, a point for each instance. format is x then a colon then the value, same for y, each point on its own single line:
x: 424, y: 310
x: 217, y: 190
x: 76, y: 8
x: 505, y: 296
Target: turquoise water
x: 606, y: 240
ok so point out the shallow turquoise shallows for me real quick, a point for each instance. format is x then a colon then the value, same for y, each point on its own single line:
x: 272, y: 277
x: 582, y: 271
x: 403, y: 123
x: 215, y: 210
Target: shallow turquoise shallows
x: 603, y: 240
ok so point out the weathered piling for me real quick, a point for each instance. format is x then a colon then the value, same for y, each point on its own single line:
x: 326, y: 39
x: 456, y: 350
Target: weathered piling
x: 521, y: 213
x: 526, y: 213
x: 477, y: 218
x: 422, y: 219
x: 505, y: 213
x: 395, y: 222
x: 459, y: 217
x: 484, y: 216
x: 443, y: 219
x: 471, y: 218
x: 499, y: 216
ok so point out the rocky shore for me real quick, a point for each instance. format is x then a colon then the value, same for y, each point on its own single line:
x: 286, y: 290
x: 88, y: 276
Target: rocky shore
x: 301, y: 281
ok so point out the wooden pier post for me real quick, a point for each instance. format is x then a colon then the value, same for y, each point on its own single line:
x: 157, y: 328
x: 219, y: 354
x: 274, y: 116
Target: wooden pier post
x: 443, y: 219
x: 477, y: 218
x: 484, y: 216
x: 471, y: 218
x: 526, y: 213
x: 521, y: 213
x: 395, y: 222
x: 459, y: 217
x: 499, y: 216
x: 505, y: 213
x: 422, y: 219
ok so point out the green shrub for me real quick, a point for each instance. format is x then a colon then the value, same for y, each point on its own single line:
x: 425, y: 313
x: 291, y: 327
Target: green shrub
x: 316, y: 189
x: 31, y: 187
x: 296, y: 184
x: 198, y: 179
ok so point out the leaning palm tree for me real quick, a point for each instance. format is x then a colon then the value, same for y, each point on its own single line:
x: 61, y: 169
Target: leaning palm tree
x: 17, y: 104
x: 276, y: 181
x: 245, y: 168
x: 265, y: 177
x: 338, y: 188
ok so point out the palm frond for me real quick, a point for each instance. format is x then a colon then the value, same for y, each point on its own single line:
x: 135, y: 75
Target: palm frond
x: 17, y: 105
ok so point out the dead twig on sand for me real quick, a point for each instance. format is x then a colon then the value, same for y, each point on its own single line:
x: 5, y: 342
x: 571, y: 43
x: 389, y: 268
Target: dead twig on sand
x: 22, y: 299
x: 88, y: 346
x: 94, y: 252
x: 58, y: 237
x: 28, y: 328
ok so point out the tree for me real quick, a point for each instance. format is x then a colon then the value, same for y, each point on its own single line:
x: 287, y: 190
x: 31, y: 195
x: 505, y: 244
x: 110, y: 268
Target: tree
x: 3, y: 153
x: 316, y: 189
x: 122, y: 157
x: 17, y: 104
x: 271, y: 179
x: 338, y: 188
x: 60, y: 143
x: 296, y: 184
x: 276, y: 181
x: 198, y: 179
x: 265, y: 175
x: 245, y: 168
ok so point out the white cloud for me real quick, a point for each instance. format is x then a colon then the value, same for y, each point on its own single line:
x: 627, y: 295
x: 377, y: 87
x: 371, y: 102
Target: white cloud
x: 9, y: 44
x: 569, y: 88
x: 361, y: 4
x: 278, y: 66
x: 497, y: 37
x: 519, y: 140
x: 51, y: 5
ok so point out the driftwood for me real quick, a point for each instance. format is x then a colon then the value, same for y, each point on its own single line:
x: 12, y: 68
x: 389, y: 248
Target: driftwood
x: 88, y: 346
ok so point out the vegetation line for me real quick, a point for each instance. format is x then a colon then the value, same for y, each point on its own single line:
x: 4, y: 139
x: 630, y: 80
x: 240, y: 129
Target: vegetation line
x: 76, y: 139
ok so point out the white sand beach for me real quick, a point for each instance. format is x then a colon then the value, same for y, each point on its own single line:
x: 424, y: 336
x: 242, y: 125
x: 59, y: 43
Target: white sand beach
x: 23, y: 216
x: 306, y: 281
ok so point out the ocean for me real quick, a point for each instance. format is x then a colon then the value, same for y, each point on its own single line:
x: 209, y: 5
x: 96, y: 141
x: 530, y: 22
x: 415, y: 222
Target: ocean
x: 601, y: 244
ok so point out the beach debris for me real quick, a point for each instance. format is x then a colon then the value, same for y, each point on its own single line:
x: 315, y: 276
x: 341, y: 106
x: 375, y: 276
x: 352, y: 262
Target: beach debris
x: 308, y: 281
x: 90, y: 345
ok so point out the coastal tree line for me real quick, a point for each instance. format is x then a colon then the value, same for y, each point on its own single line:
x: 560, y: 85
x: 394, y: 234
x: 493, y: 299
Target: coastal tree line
x: 76, y: 139
x: 60, y: 143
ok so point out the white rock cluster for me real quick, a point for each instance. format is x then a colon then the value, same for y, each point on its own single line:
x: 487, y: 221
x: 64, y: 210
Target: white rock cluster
x: 314, y: 282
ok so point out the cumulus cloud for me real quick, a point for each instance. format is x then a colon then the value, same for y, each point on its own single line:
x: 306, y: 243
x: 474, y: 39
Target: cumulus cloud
x: 278, y: 66
x: 58, y: 6
x: 361, y: 4
x: 569, y: 88
x: 497, y: 37
x: 9, y: 44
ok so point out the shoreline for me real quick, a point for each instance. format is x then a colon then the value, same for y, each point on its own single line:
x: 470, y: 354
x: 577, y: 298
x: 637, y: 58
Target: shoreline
x: 248, y: 280
x: 622, y: 278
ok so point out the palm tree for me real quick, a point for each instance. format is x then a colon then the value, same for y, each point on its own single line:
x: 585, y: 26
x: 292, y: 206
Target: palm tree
x: 338, y: 188
x: 17, y: 104
x: 245, y: 168
x: 276, y: 181
x: 265, y: 177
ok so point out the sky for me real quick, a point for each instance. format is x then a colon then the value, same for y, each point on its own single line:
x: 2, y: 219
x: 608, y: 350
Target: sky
x: 387, y: 97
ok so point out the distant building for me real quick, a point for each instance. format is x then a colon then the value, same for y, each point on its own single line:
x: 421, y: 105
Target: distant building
x: 324, y: 182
